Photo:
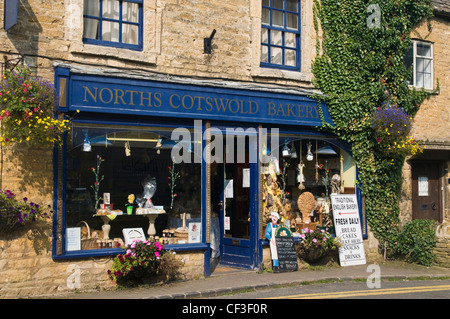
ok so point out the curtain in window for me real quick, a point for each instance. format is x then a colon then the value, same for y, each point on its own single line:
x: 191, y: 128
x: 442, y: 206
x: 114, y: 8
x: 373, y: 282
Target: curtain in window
x: 92, y: 8
x: 110, y: 30
x: 130, y: 13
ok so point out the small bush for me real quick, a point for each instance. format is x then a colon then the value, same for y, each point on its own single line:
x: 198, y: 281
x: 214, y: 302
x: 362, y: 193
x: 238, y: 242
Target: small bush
x: 416, y: 241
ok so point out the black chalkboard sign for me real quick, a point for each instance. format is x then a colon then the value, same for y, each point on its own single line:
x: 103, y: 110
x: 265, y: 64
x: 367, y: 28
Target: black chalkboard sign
x: 287, y: 257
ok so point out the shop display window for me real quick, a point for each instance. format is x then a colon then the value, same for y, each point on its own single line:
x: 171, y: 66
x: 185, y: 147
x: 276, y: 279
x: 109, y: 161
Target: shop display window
x: 299, y: 180
x: 122, y: 178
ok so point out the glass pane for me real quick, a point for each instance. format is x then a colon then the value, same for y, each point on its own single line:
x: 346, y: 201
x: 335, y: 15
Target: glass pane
x: 264, y: 35
x: 130, y: 12
x: 291, y: 21
x: 419, y: 65
x: 265, y: 18
x: 237, y: 206
x: 278, y: 18
x: 91, y: 7
x: 111, y: 9
x: 266, y: 3
x: 292, y: 5
x: 409, y: 58
x: 130, y: 34
x: 419, y: 79
x: 427, y: 66
x: 124, y: 174
x: 279, y: 4
x: 424, y: 49
x: 90, y: 30
x: 290, y: 40
x: 276, y: 56
x: 276, y: 37
x: 110, y: 31
x: 290, y: 57
x: 264, y: 54
x: 427, y: 81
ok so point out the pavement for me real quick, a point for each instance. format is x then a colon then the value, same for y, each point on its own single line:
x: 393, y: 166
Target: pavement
x: 226, y: 280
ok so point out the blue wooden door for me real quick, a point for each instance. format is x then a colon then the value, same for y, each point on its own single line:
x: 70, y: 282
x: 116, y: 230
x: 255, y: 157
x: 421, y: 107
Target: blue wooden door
x: 239, y: 204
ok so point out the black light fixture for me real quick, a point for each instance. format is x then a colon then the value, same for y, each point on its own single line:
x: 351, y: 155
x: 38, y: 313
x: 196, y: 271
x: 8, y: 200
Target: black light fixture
x: 207, y: 43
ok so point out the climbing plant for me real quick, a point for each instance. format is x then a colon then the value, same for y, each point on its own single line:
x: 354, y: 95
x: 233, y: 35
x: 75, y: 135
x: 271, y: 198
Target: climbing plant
x: 359, y: 68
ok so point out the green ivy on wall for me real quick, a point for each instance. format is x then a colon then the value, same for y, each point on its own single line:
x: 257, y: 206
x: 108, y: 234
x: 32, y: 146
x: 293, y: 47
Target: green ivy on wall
x: 360, y: 68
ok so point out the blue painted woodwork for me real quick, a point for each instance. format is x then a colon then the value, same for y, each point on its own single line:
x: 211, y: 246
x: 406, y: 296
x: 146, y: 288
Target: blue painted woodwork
x: 90, y: 93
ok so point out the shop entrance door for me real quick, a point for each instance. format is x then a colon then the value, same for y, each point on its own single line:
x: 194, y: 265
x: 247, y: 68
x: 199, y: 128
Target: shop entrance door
x: 426, y: 190
x: 237, y: 194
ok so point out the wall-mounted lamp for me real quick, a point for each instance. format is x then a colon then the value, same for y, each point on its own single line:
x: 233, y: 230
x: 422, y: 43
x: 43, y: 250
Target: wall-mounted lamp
x: 207, y: 43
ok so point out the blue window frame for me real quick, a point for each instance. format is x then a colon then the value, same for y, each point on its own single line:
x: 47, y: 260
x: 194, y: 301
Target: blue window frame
x: 280, y: 34
x: 117, y: 23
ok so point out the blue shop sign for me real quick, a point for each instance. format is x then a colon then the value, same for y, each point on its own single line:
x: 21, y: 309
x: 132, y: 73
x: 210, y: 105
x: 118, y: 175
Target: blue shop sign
x: 92, y: 93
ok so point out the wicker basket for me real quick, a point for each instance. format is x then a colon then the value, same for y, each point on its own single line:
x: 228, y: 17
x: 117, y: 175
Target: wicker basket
x: 89, y: 242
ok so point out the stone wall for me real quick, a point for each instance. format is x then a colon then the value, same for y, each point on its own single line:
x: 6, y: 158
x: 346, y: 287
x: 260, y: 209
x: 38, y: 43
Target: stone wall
x: 28, y: 270
x: 431, y: 127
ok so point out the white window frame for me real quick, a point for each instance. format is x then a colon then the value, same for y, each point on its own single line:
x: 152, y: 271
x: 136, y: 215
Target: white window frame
x: 414, y: 64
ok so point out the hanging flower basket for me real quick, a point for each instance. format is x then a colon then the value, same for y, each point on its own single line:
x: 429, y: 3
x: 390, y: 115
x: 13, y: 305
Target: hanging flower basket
x: 391, y: 126
x: 27, y: 105
x: 16, y: 213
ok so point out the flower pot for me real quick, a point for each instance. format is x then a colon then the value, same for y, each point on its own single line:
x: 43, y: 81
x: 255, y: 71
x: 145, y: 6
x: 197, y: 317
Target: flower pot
x: 129, y: 210
x: 312, y: 254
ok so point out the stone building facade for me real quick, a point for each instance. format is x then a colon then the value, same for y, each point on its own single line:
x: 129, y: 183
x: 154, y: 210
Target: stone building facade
x: 49, y: 34
x: 432, y: 129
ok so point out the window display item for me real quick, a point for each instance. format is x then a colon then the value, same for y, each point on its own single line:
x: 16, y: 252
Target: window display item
x: 270, y: 236
x: 145, y: 200
x: 306, y: 203
x: 87, y: 240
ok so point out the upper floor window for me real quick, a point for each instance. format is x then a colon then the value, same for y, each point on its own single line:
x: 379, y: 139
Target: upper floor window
x: 280, y: 34
x: 419, y: 57
x: 116, y: 23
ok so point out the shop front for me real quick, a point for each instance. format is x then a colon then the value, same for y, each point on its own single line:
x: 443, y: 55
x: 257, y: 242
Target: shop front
x: 185, y: 163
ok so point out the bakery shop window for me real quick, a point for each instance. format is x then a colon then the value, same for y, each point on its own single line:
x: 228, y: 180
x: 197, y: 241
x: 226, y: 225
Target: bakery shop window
x: 299, y: 178
x: 121, y: 178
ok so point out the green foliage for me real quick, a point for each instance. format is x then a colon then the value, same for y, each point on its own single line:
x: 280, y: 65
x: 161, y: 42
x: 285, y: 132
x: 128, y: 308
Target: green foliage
x: 416, y: 241
x: 359, y: 69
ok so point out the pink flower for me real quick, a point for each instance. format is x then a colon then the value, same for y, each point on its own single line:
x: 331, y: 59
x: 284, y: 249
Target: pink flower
x: 157, y: 254
x: 314, y: 240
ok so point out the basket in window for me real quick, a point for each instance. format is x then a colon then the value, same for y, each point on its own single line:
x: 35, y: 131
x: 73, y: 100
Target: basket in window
x: 87, y: 241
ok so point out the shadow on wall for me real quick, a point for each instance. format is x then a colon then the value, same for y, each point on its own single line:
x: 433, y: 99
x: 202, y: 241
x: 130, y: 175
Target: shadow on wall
x: 25, y: 34
x: 28, y: 171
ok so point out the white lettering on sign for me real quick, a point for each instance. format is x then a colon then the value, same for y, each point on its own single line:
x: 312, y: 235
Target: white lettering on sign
x: 348, y: 229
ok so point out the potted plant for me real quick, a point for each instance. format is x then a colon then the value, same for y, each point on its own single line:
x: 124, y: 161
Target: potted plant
x: 315, y: 244
x: 142, y: 262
